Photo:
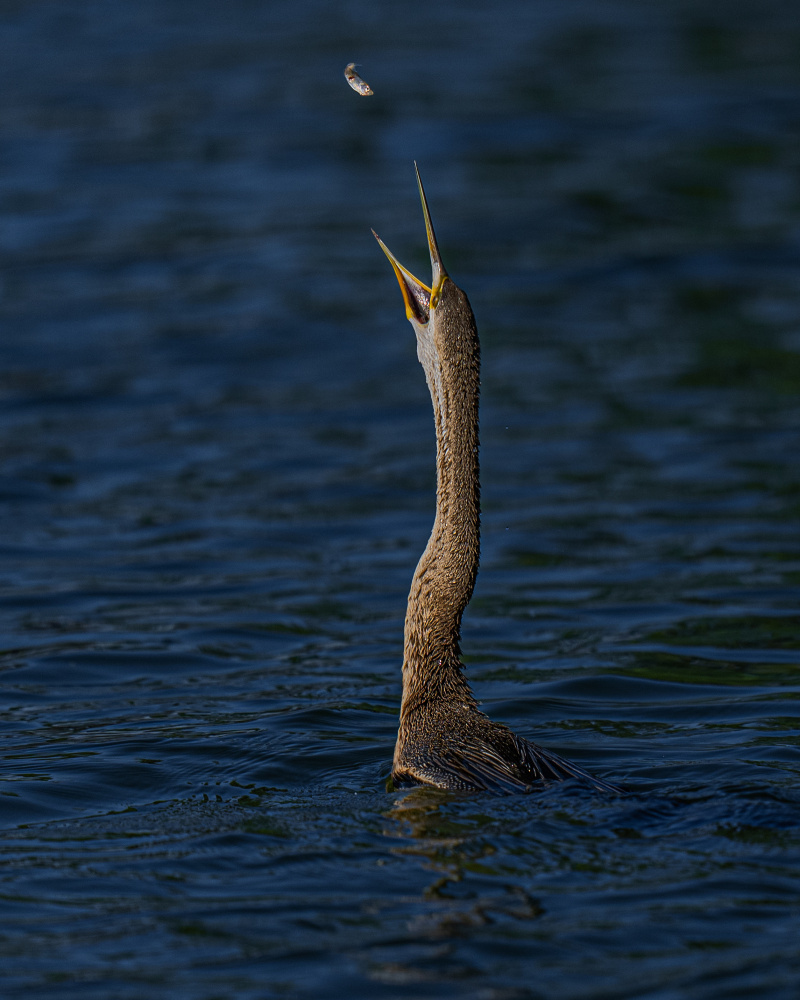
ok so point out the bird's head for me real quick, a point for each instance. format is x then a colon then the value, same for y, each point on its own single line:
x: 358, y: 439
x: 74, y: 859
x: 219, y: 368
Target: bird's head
x: 421, y: 300
x: 447, y: 339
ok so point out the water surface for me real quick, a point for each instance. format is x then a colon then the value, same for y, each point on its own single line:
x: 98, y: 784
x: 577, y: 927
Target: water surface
x: 217, y: 476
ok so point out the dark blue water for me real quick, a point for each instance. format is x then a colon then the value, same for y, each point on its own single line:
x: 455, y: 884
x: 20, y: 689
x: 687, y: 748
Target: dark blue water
x: 217, y: 453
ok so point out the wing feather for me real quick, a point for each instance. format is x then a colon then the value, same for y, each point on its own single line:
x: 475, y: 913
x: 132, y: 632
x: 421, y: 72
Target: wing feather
x: 478, y: 766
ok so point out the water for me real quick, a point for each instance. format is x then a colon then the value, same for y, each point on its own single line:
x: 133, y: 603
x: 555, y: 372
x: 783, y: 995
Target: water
x: 217, y: 476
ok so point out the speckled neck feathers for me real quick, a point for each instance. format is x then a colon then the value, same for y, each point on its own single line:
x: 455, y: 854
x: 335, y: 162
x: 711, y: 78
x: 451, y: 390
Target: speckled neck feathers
x: 449, y: 351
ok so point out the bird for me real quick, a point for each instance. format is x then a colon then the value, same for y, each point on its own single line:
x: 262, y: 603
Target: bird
x: 444, y: 740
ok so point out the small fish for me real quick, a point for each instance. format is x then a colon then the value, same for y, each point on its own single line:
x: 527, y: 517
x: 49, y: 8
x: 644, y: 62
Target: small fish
x: 355, y: 81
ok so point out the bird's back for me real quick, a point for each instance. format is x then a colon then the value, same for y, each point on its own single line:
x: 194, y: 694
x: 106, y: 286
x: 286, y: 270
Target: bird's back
x: 457, y: 747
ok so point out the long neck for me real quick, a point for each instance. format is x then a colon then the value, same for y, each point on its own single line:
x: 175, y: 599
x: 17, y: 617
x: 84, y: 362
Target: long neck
x: 445, y: 576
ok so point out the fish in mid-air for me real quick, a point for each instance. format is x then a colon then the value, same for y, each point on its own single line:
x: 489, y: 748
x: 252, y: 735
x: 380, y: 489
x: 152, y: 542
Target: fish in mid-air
x: 355, y: 81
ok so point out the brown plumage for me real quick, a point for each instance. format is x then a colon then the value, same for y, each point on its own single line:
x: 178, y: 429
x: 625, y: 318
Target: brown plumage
x: 444, y: 739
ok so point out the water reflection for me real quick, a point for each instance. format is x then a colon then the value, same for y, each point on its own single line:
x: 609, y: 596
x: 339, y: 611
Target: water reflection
x: 453, y: 848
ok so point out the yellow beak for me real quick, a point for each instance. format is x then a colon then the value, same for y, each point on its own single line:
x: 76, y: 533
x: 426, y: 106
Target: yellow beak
x: 419, y: 299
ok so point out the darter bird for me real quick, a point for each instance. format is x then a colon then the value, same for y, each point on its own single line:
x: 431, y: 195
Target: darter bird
x: 444, y: 740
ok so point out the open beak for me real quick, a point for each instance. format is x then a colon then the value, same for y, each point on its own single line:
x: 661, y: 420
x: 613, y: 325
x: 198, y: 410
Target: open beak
x: 419, y: 299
